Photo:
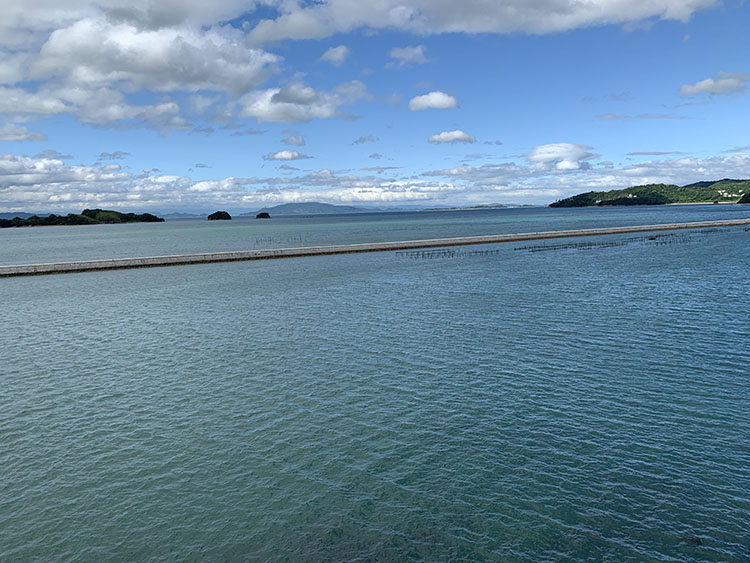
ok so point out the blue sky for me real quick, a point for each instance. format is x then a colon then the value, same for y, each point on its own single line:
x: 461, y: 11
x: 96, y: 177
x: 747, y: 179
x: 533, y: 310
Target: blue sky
x: 237, y: 104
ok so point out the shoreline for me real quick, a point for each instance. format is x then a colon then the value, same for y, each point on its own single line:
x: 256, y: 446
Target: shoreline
x: 705, y: 203
x: 243, y: 255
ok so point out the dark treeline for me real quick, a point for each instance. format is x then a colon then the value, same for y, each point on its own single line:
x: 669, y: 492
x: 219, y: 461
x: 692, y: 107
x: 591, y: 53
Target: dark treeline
x: 86, y: 217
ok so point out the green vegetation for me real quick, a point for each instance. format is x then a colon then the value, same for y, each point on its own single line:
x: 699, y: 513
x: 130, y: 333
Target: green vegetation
x: 726, y: 190
x: 745, y: 198
x: 220, y: 216
x: 87, y: 217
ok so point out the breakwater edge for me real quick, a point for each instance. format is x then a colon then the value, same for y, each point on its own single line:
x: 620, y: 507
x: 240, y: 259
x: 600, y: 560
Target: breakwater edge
x: 263, y: 254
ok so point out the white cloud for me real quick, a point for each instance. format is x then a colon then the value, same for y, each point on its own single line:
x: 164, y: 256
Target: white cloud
x: 321, y: 19
x: 536, y: 184
x: 46, y: 183
x: 10, y: 132
x: 404, y: 56
x: 298, y: 103
x: 433, y: 100
x: 456, y: 136
x: 96, y: 51
x: 285, y: 155
x: 19, y: 102
x: 563, y: 156
x: 294, y: 140
x: 336, y: 55
x: 724, y: 83
x: 99, y: 106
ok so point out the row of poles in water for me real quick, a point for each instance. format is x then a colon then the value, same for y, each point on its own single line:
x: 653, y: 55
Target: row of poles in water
x: 660, y: 239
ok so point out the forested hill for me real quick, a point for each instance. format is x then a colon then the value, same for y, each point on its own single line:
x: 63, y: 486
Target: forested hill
x: 87, y: 217
x: 726, y: 190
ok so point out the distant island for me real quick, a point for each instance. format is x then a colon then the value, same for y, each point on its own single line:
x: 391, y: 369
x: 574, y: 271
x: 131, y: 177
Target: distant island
x: 220, y: 216
x: 483, y: 206
x: 263, y: 215
x: 311, y: 208
x: 717, y: 191
x: 86, y: 217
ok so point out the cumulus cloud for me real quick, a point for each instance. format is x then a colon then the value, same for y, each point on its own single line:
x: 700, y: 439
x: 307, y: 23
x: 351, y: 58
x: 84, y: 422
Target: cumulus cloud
x: 11, y: 132
x: 98, y: 106
x: 723, y: 83
x: 285, y: 155
x: 298, y: 103
x: 294, y: 140
x: 562, y: 156
x: 321, y: 19
x: 24, y: 104
x: 404, y: 56
x: 433, y: 100
x: 96, y: 51
x: 336, y: 55
x: 456, y: 136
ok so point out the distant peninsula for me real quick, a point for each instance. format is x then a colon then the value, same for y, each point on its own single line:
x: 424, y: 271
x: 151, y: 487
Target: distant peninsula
x: 311, y: 208
x: 483, y: 206
x: 86, y: 217
x: 717, y: 191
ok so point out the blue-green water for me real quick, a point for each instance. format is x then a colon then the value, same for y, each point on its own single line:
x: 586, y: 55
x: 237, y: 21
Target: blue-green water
x: 506, y: 402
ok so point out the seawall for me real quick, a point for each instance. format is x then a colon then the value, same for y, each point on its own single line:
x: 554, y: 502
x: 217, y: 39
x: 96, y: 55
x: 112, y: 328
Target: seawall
x: 184, y: 259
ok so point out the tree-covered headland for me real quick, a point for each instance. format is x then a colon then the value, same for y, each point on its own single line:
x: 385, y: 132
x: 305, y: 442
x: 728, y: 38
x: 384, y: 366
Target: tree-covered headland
x: 86, y: 217
x: 721, y: 191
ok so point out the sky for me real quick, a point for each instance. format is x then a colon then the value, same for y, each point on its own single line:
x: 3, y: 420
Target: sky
x: 193, y: 106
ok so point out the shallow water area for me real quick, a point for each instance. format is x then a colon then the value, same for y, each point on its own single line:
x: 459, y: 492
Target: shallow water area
x: 520, y: 402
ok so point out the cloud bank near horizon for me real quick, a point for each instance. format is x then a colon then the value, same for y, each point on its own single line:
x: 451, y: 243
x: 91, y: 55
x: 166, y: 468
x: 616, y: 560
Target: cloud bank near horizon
x: 45, y: 183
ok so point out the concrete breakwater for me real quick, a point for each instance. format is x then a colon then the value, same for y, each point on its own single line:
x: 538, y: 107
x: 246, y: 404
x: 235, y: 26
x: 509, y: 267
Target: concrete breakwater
x: 184, y: 259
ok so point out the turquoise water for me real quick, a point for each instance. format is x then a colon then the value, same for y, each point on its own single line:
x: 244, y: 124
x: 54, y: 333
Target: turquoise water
x: 529, y: 402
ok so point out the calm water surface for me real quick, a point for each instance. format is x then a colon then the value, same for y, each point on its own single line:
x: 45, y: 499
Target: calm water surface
x: 574, y: 400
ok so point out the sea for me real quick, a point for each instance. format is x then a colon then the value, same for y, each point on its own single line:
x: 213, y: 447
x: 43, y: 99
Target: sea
x: 583, y: 399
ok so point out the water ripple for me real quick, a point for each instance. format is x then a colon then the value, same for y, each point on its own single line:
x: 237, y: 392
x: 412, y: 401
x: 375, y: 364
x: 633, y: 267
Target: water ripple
x: 554, y: 406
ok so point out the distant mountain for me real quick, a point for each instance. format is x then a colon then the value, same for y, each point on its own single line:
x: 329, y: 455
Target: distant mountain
x: 21, y: 215
x: 178, y: 215
x: 311, y: 208
x: 720, y: 191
